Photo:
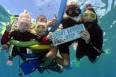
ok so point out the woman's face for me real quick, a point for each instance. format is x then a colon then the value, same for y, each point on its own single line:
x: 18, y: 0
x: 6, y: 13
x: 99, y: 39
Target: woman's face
x: 89, y: 16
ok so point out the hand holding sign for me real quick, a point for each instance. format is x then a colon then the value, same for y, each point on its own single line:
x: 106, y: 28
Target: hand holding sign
x: 85, y: 36
x: 66, y: 35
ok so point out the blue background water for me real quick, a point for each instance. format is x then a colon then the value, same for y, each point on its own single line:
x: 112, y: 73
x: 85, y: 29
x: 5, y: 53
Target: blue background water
x: 105, y: 66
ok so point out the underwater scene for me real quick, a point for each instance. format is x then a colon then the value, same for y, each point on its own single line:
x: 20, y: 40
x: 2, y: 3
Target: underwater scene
x: 104, y: 15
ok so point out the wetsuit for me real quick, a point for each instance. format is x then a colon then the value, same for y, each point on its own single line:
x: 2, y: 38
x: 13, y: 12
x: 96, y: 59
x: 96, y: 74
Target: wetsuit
x: 91, y: 49
x: 94, y: 48
x: 20, y: 36
x: 67, y: 22
x: 72, y: 11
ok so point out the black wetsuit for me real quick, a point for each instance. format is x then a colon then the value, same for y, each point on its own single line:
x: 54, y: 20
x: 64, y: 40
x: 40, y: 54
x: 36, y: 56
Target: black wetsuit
x: 94, y: 48
x: 21, y: 36
x: 67, y: 22
x: 96, y: 35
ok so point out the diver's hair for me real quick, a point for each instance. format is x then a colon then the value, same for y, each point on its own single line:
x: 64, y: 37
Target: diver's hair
x: 93, y: 10
x: 40, y: 17
x: 72, y: 4
x: 24, y: 17
x: 25, y: 14
x: 90, y: 7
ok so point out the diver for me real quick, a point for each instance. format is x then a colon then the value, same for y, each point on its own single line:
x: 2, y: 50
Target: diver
x: 91, y: 41
x: 72, y: 11
x: 21, y: 34
x: 48, y: 56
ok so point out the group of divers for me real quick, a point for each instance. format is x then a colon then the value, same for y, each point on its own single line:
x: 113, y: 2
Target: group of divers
x: 89, y: 44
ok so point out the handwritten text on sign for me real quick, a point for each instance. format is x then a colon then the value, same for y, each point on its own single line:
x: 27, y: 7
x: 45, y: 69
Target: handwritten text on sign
x: 66, y: 35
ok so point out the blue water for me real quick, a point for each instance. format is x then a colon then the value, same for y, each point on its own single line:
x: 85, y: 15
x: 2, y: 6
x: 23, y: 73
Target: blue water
x: 105, y: 66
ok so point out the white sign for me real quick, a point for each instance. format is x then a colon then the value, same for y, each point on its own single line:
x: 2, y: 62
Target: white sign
x: 66, y: 35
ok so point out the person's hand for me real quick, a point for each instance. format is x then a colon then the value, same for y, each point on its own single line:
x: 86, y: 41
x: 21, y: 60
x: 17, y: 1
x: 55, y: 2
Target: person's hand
x: 51, y: 22
x: 10, y: 62
x: 5, y: 46
x: 8, y: 28
x: 85, y: 36
x: 49, y: 36
x: 54, y: 19
x: 60, y: 27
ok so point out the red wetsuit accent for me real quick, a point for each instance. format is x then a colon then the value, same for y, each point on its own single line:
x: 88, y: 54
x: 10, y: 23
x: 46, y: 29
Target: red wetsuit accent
x: 45, y: 40
x: 5, y: 38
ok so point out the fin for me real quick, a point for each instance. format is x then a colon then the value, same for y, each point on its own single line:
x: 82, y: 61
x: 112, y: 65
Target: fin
x: 47, y: 62
x: 54, y: 66
x: 29, y: 66
x: 78, y: 63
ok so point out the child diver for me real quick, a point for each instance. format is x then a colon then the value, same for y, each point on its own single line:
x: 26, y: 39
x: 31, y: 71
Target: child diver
x: 21, y: 34
x: 41, y: 30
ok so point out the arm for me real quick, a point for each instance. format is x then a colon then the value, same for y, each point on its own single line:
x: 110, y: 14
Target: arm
x: 5, y: 38
x: 97, y: 40
x: 93, y: 39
